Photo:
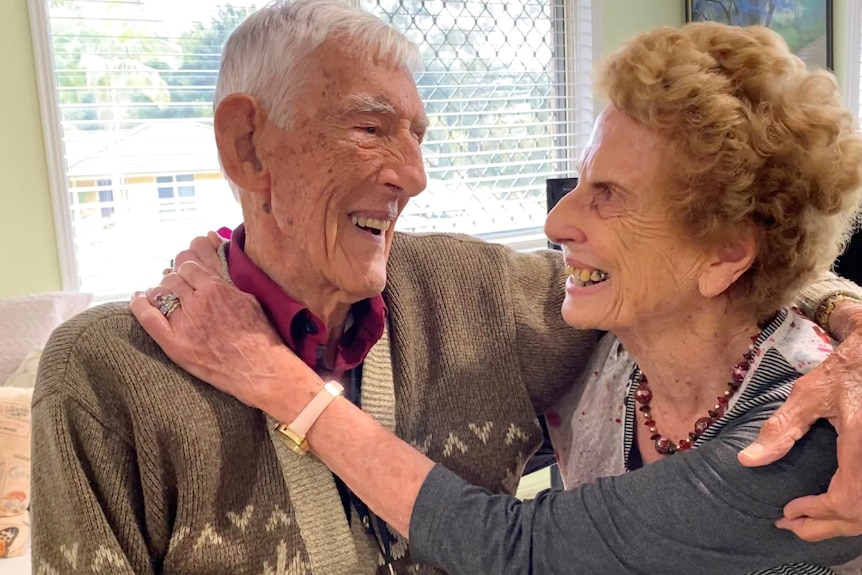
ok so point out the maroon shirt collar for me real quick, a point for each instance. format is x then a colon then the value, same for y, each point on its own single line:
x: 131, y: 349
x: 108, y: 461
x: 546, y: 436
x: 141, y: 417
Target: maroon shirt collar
x: 301, y: 330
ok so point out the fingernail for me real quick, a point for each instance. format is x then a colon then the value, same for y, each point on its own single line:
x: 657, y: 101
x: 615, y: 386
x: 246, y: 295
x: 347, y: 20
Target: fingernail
x: 754, y: 450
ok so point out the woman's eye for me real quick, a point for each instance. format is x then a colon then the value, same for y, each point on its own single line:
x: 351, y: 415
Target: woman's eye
x: 606, y: 202
x: 603, y: 194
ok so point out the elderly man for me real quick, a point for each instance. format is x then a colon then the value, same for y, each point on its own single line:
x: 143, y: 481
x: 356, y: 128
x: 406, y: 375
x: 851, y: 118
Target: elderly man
x: 141, y: 468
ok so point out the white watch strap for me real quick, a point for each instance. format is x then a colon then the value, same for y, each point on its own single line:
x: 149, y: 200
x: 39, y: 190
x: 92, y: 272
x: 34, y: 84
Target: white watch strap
x: 315, y: 407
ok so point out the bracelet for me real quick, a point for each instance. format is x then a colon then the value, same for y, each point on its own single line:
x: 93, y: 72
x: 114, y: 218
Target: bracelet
x: 294, y: 433
x: 824, y: 312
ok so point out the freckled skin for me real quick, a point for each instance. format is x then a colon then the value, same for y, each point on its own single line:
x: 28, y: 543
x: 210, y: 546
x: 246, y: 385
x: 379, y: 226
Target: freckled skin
x: 329, y: 164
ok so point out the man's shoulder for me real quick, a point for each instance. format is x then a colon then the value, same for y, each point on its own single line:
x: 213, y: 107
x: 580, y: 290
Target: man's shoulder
x: 414, y: 249
x: 99, y: 353
x: 433, y: 241
x: 110, y: 321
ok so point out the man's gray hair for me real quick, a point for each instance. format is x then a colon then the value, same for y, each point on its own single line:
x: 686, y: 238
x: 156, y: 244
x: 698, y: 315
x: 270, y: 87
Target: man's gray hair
x: 264, y: 56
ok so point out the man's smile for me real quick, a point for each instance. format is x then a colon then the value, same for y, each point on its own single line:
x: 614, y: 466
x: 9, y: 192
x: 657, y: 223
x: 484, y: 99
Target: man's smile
x: 373, y: 225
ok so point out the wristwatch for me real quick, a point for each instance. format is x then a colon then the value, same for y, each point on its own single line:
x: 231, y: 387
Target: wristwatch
x: 824, y: 312
x: 294, y: 433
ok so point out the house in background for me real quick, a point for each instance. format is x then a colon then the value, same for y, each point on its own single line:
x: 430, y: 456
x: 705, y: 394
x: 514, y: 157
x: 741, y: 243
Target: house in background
x: 161, y: 176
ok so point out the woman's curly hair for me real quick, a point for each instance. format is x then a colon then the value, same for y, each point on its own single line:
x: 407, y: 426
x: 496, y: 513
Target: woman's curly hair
x: 755, y: 139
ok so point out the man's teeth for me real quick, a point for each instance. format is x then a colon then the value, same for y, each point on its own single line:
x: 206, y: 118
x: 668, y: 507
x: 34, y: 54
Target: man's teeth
x: 586, y: 277
x: 371, y: 223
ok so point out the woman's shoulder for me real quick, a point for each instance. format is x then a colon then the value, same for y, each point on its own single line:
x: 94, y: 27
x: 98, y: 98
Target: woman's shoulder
x: 789, y: 347
x: 803, y: 344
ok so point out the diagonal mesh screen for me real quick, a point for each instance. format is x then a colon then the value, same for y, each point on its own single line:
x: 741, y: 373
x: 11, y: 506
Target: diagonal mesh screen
x: 506, y: 86
x: 499, y: 90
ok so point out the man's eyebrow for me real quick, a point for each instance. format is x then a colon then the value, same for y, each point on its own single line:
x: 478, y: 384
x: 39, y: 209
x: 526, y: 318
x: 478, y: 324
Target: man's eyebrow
x: 368, y: 104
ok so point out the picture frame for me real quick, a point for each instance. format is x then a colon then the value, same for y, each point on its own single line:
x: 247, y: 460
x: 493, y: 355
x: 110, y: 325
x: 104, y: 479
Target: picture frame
x: 806, y: 25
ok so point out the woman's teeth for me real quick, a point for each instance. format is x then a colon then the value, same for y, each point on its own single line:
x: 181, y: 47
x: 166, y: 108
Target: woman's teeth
x: 586, y: 277
x: 373, y: 225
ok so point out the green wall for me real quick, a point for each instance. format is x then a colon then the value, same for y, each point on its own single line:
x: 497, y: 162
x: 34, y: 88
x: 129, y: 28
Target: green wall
x: 31, y: 264
x: 622, y: 19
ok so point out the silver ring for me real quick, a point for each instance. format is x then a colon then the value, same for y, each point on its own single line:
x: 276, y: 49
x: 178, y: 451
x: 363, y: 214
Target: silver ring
x: 167, y: 304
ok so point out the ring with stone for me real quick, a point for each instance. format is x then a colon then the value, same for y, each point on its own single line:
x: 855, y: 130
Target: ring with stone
x: 167, y: 304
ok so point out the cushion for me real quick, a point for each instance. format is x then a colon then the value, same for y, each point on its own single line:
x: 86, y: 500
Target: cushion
x: 15, y: 486
x: 25, y: 375
x: 26, y: 322
x: 14, y: 469
x: 14, y: 539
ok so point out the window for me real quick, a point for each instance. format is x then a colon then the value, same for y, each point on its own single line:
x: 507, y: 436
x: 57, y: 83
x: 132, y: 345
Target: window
x: 507, y: 87
x: 176, y: 196
x: 849, y: 72
x: 127, y: 86
x: 106, y: 197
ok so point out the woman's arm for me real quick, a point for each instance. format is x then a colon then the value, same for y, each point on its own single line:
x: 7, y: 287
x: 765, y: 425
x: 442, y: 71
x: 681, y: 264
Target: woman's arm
x: 700, y: 512
x: 699, y: 509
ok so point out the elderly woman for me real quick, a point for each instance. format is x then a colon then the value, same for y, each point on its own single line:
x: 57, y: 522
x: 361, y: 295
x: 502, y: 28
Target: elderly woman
x: 720, y: 179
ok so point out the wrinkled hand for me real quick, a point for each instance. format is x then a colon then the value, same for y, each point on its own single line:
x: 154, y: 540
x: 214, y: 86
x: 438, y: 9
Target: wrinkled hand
x: 832, y: 391
x: 218, y: 334
x: 203, y: 250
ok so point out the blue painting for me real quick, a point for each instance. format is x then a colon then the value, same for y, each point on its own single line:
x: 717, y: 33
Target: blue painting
x: 806, y: 25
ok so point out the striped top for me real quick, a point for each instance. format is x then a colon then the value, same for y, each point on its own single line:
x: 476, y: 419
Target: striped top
x: 789, y: 346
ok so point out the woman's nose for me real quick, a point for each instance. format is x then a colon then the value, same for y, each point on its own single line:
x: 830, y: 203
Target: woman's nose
x: 563, y: 223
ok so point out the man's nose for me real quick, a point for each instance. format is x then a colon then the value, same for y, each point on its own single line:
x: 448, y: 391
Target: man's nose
x: 406, y: 171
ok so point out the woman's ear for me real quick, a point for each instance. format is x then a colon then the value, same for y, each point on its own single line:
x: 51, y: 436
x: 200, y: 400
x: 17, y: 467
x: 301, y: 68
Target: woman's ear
x: 729, y: 261
x: 239, y: 122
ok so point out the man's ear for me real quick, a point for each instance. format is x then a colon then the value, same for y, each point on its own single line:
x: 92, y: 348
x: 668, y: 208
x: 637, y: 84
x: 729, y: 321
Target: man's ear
x: 239, y: 121
x: 728, y: 262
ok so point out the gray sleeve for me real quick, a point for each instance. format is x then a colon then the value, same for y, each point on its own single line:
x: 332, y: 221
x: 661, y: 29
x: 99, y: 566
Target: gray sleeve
x: 698, y: 512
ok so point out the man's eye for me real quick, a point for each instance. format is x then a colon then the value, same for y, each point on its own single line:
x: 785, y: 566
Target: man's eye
x: 370, y: 129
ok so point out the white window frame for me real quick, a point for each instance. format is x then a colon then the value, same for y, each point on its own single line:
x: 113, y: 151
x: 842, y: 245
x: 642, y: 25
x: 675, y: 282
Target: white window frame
x: 50, y: 106
x: 852, y: 56
x: 51, y: 125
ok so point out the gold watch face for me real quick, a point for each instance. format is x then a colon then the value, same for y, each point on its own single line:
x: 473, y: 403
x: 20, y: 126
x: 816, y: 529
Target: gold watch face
x: 296, y: 443
x: 300, y: 448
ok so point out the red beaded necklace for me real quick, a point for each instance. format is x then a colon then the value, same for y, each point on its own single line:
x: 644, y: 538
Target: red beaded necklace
x: 665, y: 446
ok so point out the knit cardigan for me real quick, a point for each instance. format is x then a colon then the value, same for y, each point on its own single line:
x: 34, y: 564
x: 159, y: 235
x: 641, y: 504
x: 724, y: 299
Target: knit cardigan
x: 138, y: 467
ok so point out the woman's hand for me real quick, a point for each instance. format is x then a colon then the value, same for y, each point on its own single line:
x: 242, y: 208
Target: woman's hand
x: 222, y: 336
x: 832, y: 391
x: 203, y: 250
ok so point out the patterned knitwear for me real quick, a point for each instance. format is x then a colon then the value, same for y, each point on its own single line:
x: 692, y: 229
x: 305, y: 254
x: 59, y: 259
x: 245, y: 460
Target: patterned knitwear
x: 138, y: 467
